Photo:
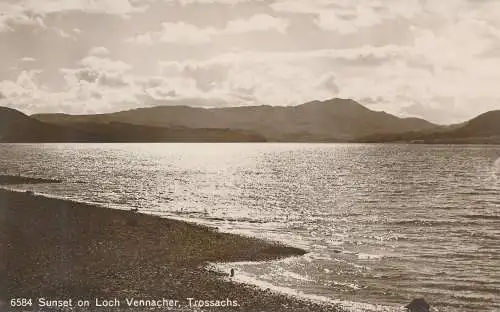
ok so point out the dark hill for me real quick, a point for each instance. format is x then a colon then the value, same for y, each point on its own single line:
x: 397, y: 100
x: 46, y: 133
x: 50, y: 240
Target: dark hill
x: 486, y: 124
x: 331, y: 120
x: 123, y: 132
x: 483, y: 129
x: 16, y: 127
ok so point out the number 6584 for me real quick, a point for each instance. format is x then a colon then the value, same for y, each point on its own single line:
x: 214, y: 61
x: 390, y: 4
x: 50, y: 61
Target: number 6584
x: 21, y: 302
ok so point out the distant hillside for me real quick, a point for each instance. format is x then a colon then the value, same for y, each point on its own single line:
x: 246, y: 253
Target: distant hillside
x: 483, y: 129
x: 16, y: 127
x: 487, y: 124
x: 123, y: 132
x: 332, y: 120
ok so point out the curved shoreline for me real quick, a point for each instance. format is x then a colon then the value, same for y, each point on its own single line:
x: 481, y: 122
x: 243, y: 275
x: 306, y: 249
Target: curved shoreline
x: 63, y: 249
x: 18, y: 179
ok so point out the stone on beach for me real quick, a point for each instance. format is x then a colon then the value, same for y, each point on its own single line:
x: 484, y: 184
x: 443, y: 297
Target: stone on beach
x: 418, y: 305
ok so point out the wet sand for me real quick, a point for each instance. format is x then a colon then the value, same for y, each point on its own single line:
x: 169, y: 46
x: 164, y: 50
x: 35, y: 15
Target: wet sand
x: 65, y: 250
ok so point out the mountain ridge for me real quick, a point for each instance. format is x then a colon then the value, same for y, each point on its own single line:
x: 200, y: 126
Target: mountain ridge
x: 482, y: 129
x: 16, y: 127
x: 330, y: 120
x: 334, y: 120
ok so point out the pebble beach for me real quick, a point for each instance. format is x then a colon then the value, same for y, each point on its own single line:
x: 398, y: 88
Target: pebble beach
x: 59, y: 254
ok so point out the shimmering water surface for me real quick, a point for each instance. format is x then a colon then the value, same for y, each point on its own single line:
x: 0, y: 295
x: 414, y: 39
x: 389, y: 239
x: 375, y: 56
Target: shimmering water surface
x: 384, y: 223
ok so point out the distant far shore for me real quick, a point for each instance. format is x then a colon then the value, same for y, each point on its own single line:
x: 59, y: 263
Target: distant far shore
x: 369, y: 141
x: 333, y: 120
x: 61, y: 253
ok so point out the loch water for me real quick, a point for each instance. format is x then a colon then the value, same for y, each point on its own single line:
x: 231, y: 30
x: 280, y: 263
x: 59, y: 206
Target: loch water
x: 382, y: 223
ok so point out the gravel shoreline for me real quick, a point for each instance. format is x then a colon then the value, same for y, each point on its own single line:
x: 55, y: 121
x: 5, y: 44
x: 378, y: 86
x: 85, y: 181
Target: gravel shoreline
x: 61, y: 250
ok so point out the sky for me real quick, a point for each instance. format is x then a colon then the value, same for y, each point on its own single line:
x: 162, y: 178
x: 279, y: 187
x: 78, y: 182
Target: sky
x: 438, y: 60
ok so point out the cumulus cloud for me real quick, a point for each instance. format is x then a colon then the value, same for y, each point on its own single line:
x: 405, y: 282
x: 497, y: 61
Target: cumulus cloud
x: 190, y: 34
x: 328, y: 82
x: 98, y: 84
x: 348, y: 23
x: 114, y: 7
x: 191, y: 2
x: 99, y: 51
x: 179, y: 33
x: 98, y: 72
x: 64, y: 34
x: 260, y: 78
x: 185, y: 33
x: 103, y: 64
x: 112, y: 80
x: 259, y: 22
x: 24, y: 91
x: 12, y: 15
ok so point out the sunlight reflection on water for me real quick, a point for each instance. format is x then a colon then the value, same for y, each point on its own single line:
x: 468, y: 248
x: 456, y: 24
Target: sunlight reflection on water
x: 384, y: 223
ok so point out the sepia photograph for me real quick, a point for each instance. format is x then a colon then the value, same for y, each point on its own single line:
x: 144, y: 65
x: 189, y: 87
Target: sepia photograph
x: 250, y: 155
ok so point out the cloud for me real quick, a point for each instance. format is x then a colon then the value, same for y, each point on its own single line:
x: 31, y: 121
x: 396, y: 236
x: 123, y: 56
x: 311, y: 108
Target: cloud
x: 98, y: 84
x: 189, y: 34
x: 179, y: 33
x: 185, y: 33
x: 112, y: 80
x: 24, y: 91
x: 328, y: 82
x: 81, y: 74
x: 99, y: 51
x: 392, y: 77
x: 189, y: 2
x: 113, y: 7
x: 259, y: 22
x: 16, y: 15
x: 299, y: 6
x: 103, y: 64
x: 347, y: 23
x: 64, y: 34
x: 159, y: 88
x: 98, y: 71
x: 252, y: 78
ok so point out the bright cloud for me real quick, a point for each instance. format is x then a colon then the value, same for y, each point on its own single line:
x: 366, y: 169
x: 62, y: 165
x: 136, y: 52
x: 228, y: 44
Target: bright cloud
x: 99, y: 51
x: 260, y: 22
x: 189, y: 34
x: 114, y: 7
x: 185, y: 33
x: 180, y: 33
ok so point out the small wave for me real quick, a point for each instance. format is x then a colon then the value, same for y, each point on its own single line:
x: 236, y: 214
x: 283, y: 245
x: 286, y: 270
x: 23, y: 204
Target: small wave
x: 246, y: 278
x: 497, y: 165
x: 452, y: 256
x: 480, y: 217
x: 239, y: 220
x: 421, y: 222
x: 349, y: 286
x: 391, y: 276
x: 365, y: 256
x: 296, y: 276
x: 479, y: 192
